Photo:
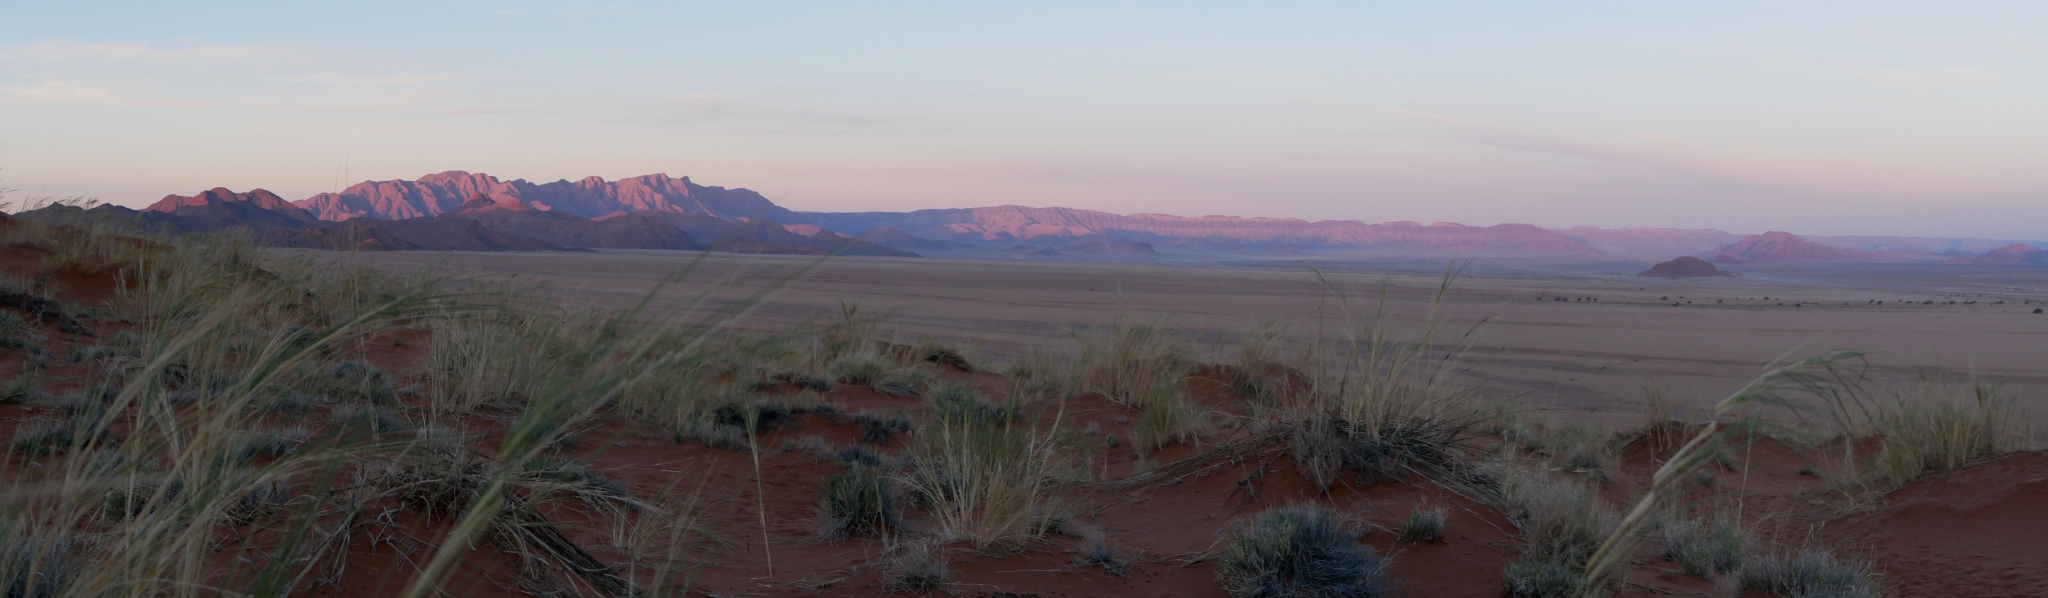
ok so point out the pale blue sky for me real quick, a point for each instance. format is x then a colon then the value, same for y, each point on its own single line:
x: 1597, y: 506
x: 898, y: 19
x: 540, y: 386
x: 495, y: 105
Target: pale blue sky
x: 1820, y: 118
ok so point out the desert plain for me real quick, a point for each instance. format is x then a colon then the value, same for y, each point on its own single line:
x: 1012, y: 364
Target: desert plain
x: 1581, y: 338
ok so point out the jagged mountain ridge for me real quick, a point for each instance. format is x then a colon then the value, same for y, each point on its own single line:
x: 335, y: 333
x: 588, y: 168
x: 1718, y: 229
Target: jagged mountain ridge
x: 591, y: 197
x: 661, y: 212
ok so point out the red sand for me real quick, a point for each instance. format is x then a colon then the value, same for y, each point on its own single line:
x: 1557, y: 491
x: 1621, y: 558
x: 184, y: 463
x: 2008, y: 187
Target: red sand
x: 1979, y: 531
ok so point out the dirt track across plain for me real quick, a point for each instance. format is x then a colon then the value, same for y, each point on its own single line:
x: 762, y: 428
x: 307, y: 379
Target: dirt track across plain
x: 1612, y: 335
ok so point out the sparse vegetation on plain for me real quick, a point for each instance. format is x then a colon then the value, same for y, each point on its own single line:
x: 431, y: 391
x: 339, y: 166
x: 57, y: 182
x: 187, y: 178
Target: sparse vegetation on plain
x: 254, y: 423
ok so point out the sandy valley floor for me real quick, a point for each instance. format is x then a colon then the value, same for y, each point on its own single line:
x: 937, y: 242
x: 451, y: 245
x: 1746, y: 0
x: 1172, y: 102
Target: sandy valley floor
x: 1577, y: 354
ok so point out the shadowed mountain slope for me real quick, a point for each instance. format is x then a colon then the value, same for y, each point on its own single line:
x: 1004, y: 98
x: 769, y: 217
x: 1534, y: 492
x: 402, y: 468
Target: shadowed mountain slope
x: 639, y: 230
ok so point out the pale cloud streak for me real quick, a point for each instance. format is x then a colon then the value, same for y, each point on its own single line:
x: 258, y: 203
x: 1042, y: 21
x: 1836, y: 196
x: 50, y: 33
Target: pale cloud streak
x: 1951, y: 77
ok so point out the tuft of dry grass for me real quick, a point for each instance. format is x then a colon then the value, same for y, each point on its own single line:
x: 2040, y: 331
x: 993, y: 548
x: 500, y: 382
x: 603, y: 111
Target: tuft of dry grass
x: 988, y: 474
x: 1301, y: 550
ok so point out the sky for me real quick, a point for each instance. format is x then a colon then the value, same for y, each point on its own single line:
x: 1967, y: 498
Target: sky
x: 1869, y: 117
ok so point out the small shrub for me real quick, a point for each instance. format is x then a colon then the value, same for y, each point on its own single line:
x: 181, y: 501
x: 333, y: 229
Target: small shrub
x: 264, y: 499
x: 273, y: 444
x: 362, y: 381
x: 1300, y: 550
x: 1593, y: 466
x: 1424, y: 524
x: 34, y: 565
x: 815, y: 446
x: 903, y: 382
x: 15, y: 333
x: 1544, y: 579
x: 84, y: 353
x: 927, y: 352
x: 366, y: 418
x: 44, y: 436
x: 859, y: 367
x: 290, y: 403
x: 1809, y: 574
x: 875, y: 429
x: 917, y: 567
x: 1703, y: 547
x: 1096, y: 551
x: 713, y: 435
x: 858, y: 502
x: 804, y: 381
x: 766, y: 415
x: 864, y: 456
x: 22, y: 389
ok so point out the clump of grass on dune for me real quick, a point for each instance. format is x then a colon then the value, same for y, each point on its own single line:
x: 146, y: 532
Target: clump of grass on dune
x: 988, y: 473
x: 1424, y: 524
x: 1042, y: 371
x: 1130, y: 361
x: 1562, y: 524
x: 1261, y: 374
x: 1937, y: 427
x: 858, y: 501
x: 1705, y: 546
x: 1300, y: 550
x: 1381, y: 403
x: 919, y: 566
x: 1809, y: 574
x: 1143, y: 366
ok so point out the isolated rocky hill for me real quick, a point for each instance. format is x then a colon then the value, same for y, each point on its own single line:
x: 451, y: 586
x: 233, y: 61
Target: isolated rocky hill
x: 1685, y: 267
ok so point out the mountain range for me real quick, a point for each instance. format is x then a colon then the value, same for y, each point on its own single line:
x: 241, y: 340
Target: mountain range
x: 464, y: 211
